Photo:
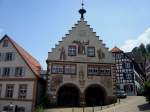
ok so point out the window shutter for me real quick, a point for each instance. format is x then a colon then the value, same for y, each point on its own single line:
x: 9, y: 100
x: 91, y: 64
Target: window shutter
x: 2, y: 56
x: 12, y: 71
x: 23, y: 71
x: 0, y: 72
x: 13, y: 56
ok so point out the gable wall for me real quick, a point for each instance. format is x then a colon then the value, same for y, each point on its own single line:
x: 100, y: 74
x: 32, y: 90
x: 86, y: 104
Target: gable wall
x: 17, y: 62
x: 81, y: 32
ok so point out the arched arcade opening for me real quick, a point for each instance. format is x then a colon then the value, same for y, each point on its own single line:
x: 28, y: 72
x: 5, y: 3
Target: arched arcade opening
x: 95, y: 95
x: 68, y: 95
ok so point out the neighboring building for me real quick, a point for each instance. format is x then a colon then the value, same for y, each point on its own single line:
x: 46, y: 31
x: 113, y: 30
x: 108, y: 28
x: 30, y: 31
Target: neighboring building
x: 80, y: 69
x: 19, y: 77
x: 128, y: 74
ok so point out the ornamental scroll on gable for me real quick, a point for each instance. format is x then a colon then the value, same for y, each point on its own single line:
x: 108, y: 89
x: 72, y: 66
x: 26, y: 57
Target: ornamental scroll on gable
x: 62, y: 53
x: 100, y: 54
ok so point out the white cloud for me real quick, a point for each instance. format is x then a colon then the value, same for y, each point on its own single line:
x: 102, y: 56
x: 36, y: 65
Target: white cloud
x: 143, y: 38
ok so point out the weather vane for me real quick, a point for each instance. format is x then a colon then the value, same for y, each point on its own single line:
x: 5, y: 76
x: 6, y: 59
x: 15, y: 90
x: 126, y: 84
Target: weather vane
x: 82, y: 4
x: 82, y: 11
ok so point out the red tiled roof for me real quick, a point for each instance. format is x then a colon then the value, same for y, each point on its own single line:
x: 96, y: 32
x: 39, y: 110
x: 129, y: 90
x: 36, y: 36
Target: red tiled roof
x: 29, y: 60
x: 116, y: 50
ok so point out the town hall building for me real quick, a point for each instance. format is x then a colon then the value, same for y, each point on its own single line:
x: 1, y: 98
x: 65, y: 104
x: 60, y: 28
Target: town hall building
x: 80, y: 69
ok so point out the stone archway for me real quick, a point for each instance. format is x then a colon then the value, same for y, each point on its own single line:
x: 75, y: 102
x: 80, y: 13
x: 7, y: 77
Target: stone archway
x: 95, y: 95
x: 68, y: 95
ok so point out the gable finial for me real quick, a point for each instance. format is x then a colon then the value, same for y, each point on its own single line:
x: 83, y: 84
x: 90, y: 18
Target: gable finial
x: 82, y: 4
x: 82, y: 11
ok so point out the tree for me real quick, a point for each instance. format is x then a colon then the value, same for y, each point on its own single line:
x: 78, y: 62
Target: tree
x: 147, y: 90
x: 135, y: 50
x: 142, y: 49
x: 140, y: 56
x: 45, y: 101
x: 148, y: 48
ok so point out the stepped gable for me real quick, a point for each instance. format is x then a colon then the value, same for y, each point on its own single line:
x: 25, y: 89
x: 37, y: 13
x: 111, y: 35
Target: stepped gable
x: 74, y: 27
x: 32, y: 63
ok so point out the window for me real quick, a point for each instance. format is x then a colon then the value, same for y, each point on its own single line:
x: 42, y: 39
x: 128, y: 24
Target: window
x: 127, y: 65
x: 57, y: 68
x: 19, y: 71
x: 98, y: 70
x: 22, y: 91
x: 9, y: 56
x: 6, y: 71
x: 91, y: 51
x: 9, y: 90
x: 20, y: 109
x: 64, y: 68
x: 92, y: 70
x: 118, y: 56
x: 72, y: 51
x: 7, y: 108
x: 70, y: 69
x: 5, y: 43
x: 0, y: 89
x: 104, y: 71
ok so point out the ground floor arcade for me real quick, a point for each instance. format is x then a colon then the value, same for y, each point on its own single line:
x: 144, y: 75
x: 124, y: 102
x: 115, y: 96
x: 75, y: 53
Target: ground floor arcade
x: 70, y: 95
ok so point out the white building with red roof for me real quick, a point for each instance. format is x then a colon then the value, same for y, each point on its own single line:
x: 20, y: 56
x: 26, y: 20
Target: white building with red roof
x: 19, y: 77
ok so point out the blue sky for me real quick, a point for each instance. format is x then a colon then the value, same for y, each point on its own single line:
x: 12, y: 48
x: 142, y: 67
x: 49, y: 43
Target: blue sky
x: 37, y: 25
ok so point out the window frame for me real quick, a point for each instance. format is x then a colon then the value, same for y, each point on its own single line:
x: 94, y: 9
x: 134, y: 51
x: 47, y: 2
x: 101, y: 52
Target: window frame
x: 7, y: 92
x: 20, y: 96
x: 6, y: 72
x: 100, y: 68
x: 19, y: 71
x: 9, y: 56
x: 63, y: 68
x: 89, y: 53
x: 72, y: 53
x: 57, y: 72
x: 75, y: 68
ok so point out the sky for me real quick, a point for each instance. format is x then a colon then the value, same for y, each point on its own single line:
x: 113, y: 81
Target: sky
x: 37, y: 25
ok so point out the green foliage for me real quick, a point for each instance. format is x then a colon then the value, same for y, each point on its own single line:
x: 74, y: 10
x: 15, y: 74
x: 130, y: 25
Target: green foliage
x: 135, y: 50
x: 147, y: 90
x: 145, y: 50
x: 39, y: 109
x: 148, y: 48
x: 44, y: 101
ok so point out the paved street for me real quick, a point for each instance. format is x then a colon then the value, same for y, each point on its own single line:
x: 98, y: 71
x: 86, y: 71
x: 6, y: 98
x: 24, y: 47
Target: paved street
x: 131, y: 104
